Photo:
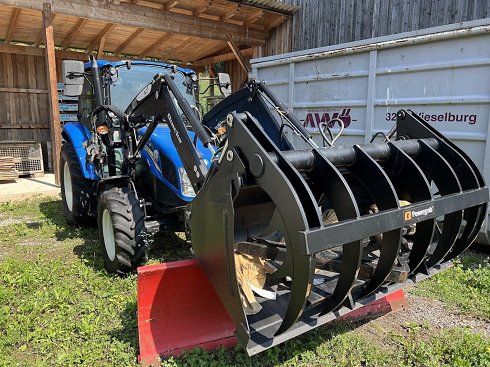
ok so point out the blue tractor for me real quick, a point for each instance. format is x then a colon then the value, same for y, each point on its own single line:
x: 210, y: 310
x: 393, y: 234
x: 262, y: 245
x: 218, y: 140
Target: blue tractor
x: 325, y: 229
x: 124, y: 171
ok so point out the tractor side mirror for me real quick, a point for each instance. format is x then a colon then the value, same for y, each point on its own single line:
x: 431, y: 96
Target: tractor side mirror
x: 73, y: 75
x: 224, y: 84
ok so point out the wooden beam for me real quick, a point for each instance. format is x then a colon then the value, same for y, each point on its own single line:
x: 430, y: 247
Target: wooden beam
x: 280, y: 19
x: 125, y: 44
x: 170, y: 4
x: 236, y: 51
x: 230, y: 13
x: 201, y: 9
x: 223, y: 57
x: 54, y: 113
x: 24, y: 90
x: 109, y: 27
x: 40, y: 34
x: 78, y: 27
x: 71, y: 55
x: 168, y: 52
x: 11, y: 27
x: 139, y: 16
x: 255, y: 17
x: 4, y: 126
x: 156, y: 44
x: 100, y: 49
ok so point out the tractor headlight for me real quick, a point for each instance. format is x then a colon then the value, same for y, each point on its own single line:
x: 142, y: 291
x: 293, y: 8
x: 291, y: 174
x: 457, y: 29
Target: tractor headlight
x: 185, y: 183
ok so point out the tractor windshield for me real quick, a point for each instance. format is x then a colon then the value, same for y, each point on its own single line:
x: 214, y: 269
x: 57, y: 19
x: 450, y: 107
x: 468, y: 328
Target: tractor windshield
x: 130, y: 82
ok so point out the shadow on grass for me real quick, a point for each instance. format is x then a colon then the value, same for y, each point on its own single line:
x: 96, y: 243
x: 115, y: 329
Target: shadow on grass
x: 169, y: 246
x: 89, y: 249
x: 165, y: 247
x: 128, y: 333
x: 306, y: 343
x: 477, y: 256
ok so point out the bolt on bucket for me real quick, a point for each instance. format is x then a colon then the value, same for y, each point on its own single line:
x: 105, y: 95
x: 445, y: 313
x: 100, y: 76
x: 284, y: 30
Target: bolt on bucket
x: 291, y: 239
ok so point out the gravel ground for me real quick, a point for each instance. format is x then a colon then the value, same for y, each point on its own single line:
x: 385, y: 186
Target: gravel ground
x: 423, y: 311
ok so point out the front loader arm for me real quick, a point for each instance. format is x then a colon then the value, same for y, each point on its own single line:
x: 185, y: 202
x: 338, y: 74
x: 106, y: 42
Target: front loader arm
x: 159, y: 100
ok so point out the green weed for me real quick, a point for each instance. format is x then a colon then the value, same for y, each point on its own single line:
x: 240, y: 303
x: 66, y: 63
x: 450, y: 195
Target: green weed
x: 465, y: 286
x: 58, y: 307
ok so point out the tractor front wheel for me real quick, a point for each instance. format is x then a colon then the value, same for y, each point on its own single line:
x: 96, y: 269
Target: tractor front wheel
x: 122, y: 232
x: 76, y: 190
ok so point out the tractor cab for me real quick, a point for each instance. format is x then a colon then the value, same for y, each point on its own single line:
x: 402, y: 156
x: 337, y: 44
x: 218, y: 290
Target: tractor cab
x: 158, y: 169
x: 123, y: 81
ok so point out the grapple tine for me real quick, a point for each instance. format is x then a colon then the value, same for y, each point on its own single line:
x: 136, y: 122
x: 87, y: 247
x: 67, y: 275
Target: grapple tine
x: 472, y: 215
x: 412, y: 126
x: 384, y: 195
x: 304, y: 271
x: 412, y: 186
x: 288, y: 190
x: 310, y: 214
x: 440, y: 172
x: 344, y: 204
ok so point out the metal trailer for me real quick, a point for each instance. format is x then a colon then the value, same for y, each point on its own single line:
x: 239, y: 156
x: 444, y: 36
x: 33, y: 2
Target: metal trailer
x: 441, y: 73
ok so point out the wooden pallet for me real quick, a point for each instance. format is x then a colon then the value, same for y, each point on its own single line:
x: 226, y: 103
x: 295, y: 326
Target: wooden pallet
x: 7, y: 169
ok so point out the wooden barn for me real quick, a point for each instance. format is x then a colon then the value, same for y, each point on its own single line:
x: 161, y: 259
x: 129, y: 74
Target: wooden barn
x: 35, y: 36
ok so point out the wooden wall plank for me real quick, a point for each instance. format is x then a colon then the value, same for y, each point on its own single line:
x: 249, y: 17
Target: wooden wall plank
x: 33, y: 100
x: 10, y: 97
x: 322, y: 23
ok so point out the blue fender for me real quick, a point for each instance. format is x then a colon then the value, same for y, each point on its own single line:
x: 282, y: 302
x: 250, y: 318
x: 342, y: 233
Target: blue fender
x: 78, y: 134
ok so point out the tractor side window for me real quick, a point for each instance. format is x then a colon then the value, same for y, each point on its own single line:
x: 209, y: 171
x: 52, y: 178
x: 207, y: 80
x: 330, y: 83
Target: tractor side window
x: 86, y: 104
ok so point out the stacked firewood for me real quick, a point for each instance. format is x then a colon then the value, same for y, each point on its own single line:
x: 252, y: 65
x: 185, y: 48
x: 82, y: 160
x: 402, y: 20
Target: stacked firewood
x: 7, y: 169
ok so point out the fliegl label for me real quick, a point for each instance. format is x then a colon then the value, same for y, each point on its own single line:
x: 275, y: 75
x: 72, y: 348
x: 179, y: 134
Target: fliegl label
x: 413, y: 214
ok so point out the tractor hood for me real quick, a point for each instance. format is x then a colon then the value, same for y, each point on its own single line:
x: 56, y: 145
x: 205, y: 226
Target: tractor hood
x: 163, y: 160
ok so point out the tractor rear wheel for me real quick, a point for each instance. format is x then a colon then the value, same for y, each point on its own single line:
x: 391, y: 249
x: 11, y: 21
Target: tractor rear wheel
x: 76, y: 190
x: 122, y: 232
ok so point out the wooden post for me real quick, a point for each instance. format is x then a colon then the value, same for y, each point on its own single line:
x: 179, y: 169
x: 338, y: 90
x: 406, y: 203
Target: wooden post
x: 54, y: 110
x: 100, y: 49
x: 238, y: 54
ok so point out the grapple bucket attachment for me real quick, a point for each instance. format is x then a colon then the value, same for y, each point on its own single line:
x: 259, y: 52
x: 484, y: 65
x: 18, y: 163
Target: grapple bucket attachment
x: 325, y: 229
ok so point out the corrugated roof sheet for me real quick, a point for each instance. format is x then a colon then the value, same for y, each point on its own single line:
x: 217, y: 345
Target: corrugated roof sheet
x: 273, y: 5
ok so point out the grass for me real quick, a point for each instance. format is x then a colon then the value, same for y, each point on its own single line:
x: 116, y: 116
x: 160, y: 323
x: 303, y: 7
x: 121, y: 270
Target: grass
x: 58, y: 307
x: 466, y: 286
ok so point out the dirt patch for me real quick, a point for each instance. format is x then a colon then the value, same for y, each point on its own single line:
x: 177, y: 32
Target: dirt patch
x: 10, y: 221
x: 422, y: 311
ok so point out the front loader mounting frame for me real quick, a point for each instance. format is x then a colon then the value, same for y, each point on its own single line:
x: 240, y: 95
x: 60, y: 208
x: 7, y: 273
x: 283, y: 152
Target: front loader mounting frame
x: 407, y: 206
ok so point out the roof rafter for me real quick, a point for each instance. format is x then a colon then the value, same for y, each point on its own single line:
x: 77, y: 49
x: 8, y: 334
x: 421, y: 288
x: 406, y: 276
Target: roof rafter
x: 78, y: 27
x: 109, y: 27
x: 248, y: 52
x: 40, y: 34
x: 202, y: 8
x: 231, y: 13
x: 100, y: 48
x: 156, y: 44
x: 11, y: 27
x: 170, y: 4
x: 125, y: 44
x: 255, y: 17
x: 136, y: 15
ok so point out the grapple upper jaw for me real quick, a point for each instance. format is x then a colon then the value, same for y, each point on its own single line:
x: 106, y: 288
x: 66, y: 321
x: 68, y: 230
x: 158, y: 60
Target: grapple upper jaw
x: 400, y: 209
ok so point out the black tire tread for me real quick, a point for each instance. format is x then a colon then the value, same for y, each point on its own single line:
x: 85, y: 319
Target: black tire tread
x: 82, y: 188
x: 130, y: 235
